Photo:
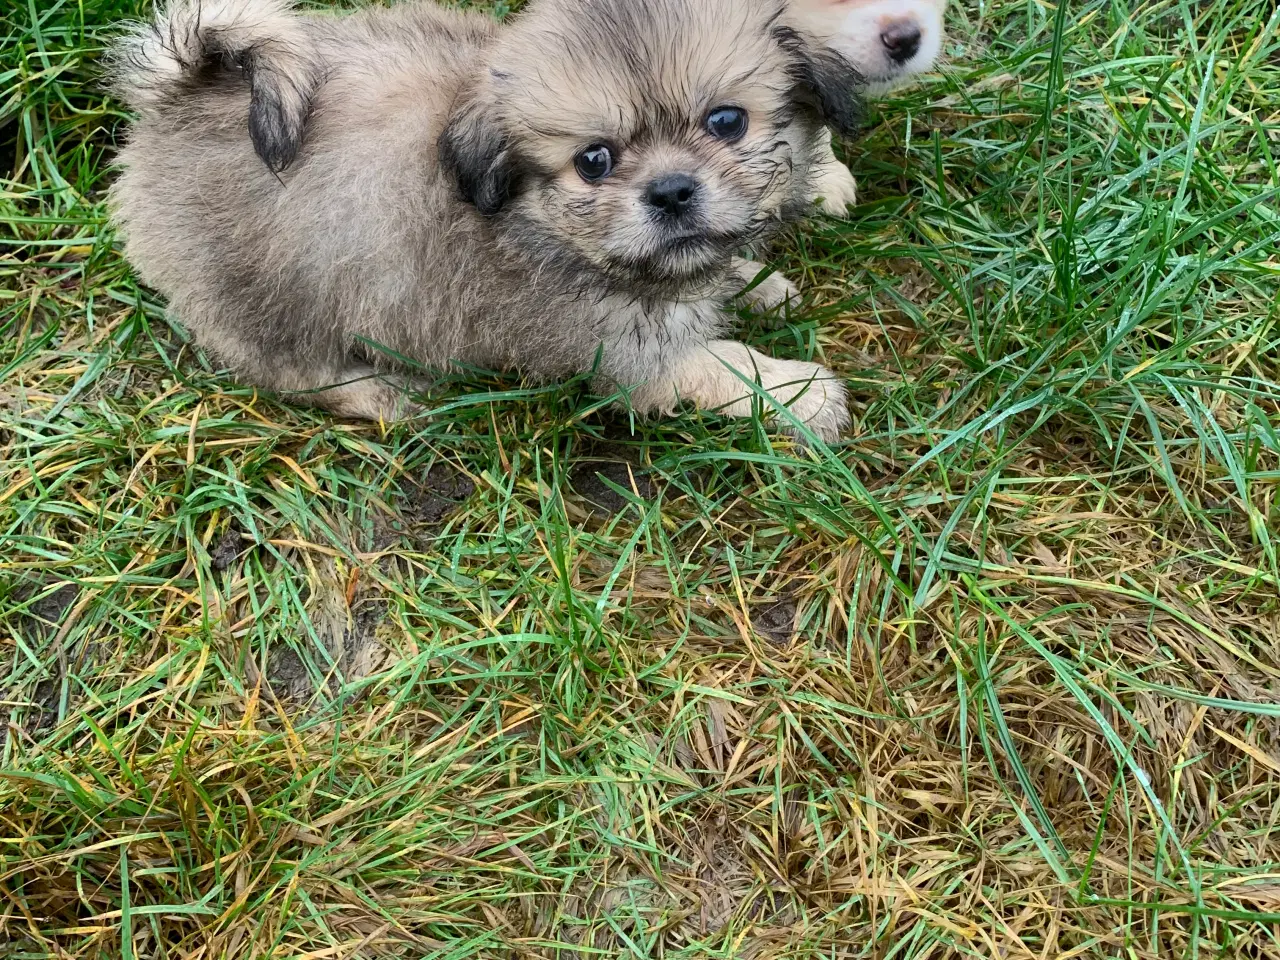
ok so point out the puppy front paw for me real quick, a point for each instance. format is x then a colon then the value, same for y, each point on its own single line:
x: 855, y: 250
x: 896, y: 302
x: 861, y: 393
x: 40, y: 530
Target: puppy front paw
x: 772, y: 292
x: 712, y: 375
x: 835, y: 189
x: 820, y: 401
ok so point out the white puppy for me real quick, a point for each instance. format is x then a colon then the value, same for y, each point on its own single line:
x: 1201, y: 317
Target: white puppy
x: 889, y: 41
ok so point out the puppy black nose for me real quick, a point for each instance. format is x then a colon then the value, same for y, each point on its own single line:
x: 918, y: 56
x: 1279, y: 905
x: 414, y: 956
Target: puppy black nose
x: 673, y: 194
x: 902, y: 40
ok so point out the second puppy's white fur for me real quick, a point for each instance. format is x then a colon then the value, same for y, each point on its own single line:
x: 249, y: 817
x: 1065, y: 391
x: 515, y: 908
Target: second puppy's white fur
x: 889, y: 41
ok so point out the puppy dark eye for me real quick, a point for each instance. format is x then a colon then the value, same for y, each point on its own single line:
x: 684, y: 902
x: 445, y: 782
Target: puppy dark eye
x: 594, y: 163
x: 727, y: 123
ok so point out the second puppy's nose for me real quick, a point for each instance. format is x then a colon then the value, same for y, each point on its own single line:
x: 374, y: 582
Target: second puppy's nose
x: 673, y: 194
x: 902, y: 40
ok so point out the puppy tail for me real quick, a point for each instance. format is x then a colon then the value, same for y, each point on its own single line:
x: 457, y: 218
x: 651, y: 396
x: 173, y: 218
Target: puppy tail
x: 190, y: 43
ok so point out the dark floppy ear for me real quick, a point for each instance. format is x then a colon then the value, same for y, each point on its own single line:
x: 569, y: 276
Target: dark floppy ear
x: 476, y: 152
x: 283, y: 85
x: 825, y: 80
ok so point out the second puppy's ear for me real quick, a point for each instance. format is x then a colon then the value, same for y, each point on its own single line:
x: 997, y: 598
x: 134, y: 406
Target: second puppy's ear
x: 477, y: 154
x: 825, y: 80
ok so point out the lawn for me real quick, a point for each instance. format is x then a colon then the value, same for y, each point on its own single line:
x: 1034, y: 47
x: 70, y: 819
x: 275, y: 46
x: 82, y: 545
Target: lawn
x: 999, y: 676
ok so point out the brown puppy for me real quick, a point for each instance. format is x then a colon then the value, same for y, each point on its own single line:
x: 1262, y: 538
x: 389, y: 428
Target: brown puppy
x: 567, y: 193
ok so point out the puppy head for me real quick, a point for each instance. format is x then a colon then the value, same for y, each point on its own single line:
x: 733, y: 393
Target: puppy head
x: 649, y: 141
x: 887, y: 40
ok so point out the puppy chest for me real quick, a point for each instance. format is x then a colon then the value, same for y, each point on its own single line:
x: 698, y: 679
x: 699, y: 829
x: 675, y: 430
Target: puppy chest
x: 670, y: 323
x: 638, y: 339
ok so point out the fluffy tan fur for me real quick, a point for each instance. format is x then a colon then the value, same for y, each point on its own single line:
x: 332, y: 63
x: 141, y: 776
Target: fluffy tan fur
x: 304, y: 187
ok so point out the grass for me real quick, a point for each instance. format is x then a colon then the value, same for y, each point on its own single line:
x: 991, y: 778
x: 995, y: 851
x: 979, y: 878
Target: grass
x: 998, y: 676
